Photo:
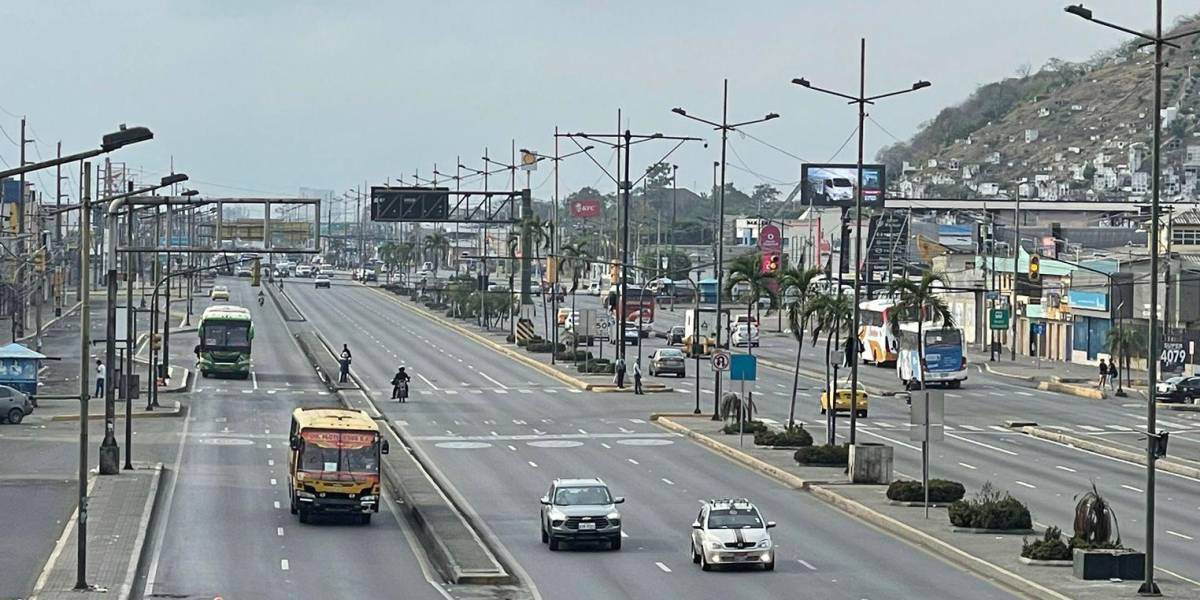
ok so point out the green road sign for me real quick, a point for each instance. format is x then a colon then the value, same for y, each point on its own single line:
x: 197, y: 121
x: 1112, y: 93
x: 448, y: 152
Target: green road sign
x: 998, y: 317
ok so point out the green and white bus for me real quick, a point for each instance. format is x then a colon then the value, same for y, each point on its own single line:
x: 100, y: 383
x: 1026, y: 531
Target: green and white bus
x: 226, y: 333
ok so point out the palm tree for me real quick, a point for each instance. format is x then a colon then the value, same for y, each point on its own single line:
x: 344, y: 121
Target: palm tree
x: 575, y: 257
x: 437, y: 248
x: 747, y: 270
x: 829, y: 313
x: 801, y: 281
x: 919, y: 301
x: 1123, y: 343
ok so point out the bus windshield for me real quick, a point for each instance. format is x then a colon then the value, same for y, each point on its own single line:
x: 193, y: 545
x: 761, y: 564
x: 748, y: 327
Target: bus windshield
x: 338, y: 452
x: 943, y: 337
x: 226, y: 335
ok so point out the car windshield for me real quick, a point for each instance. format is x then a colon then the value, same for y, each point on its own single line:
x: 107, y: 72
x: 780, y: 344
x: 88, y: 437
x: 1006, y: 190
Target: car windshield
x: 582, y: 496
x: 670, y: 353
x: 734, y: 518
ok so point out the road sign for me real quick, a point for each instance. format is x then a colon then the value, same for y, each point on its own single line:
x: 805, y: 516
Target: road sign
x: 1039, y: 328
x: 998, y: 318
x: 992, y: 295
x: 720, y: 360
x: 926, y: 426
x: 743, y: 367
x: 394, y: 204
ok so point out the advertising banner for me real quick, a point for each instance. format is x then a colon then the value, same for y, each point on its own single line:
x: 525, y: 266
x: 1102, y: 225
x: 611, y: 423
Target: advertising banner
x: 585, y: 209
x: 835, y: 184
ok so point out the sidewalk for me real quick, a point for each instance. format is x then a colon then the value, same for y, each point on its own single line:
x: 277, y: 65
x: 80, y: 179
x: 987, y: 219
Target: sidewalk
x: 118, y: 517
x: 994, y: 557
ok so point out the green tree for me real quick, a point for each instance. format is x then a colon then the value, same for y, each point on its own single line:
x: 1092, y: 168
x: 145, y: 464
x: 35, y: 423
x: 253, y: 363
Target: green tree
x: 829, y: 313
x: 797, y: 286
x: 920, y: 302
x: 764, y: 194
x: 575, y: 258
x: 437, y: 248
x: 1125, y: 342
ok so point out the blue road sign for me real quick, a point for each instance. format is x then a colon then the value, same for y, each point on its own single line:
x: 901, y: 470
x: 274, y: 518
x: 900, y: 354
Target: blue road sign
x: 743, y: 367
x: 1039, y: 328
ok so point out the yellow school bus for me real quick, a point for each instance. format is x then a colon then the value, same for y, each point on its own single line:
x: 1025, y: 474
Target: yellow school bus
x: 333, y: 465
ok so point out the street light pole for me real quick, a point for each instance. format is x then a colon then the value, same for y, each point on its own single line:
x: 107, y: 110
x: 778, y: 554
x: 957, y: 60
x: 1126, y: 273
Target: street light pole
x: 861, y: 100
x: 85, y: 329
x: 1149, y: 587
x: 724, y: 127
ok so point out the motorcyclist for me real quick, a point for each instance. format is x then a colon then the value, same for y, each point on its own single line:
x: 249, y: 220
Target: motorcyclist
x: 398, y: 380
x: 261, y: 298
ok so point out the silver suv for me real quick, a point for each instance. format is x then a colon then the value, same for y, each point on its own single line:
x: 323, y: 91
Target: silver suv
x: 14, y: 405
x: 577, y: 510
x: 731, y: 531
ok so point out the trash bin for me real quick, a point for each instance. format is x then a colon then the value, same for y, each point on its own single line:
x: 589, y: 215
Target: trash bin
x: 871, y: 463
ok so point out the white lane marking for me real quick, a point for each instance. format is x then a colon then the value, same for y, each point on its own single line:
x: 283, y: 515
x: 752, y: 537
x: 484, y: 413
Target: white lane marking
x: 1067, y: 469
x: 1028, y: 485
x: 623, y: 534
x: 631, y: 461
x: 254, y: 379
x: 1180, y: 535
x: 494, y: 434
x: 267, y: 431
x: 489, y: 378
x: 283, y: 564
x: 807, y: 565
x: 270, y: 462
x: 279, y: 531
x: 953, y: 395
x: 247, y: 391
x: 494, y: 391
x: 995, y: 394
x: 971, y: 427
x: 428, y: 382
x: 1089, y: 428
x: 624, y: 430
x: 583, y: 431
x: 947, y: 427
x: 1000, y: 428
x: 664, y: 568
x: 981, y: 444
x: 667, y: 481
x: 963, y: 464
x: 639, y: 421
x: 1131, y: 488
x: 886, y: 425
x: 1024, y: 394
x: 533, y: 464
x: 550, y: 391
x: 1119, y: 428
x: 273, y: 482
x: 892, y: 440
x: 152, y: 571
x: 574, y: 391
x: 276, y: 504
x: 512, y: 447
x: 606, y: 446
x: 450, y: 392
x: 518, y: 422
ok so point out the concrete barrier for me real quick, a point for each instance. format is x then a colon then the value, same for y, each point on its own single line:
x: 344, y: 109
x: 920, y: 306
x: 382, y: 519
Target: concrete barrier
x: 1074, y: 390
x: 1132, y: 456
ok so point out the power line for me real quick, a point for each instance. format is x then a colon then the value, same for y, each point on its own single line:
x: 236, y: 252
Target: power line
x: 843, y: 146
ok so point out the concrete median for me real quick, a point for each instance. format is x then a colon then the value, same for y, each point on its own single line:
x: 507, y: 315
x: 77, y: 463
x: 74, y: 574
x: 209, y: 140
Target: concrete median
x: 1102, y: 449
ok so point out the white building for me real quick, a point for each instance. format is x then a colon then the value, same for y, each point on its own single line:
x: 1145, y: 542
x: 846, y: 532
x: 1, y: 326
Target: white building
x: 1031, y: 135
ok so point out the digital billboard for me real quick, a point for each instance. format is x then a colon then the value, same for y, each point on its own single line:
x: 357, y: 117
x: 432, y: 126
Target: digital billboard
x: 834, y: 184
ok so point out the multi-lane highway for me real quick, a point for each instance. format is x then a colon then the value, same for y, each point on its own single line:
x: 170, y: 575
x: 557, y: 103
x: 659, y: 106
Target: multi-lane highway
x: 501, y: 432
x: 224, y: 529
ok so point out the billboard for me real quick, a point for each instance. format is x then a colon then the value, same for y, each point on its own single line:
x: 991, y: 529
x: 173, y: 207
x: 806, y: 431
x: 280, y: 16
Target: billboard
x: 393, y: 204
x: 770, y: 239
x: 585, y: 209
x: 834, y: 184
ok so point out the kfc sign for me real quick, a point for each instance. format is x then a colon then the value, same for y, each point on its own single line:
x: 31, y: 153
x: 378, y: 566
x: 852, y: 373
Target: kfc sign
x: 585, y: 209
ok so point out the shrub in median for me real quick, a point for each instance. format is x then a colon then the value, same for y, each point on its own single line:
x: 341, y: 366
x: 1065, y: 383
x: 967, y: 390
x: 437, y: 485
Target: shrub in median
x: 796, y: 437
x: 990, y: 510
x: 940, y: 491
x: 1050, y: 547
x: 544, y: 346
x: 831, y: 456
x: 599, y: 366
x: 752, y: 427
x: 576, y: 356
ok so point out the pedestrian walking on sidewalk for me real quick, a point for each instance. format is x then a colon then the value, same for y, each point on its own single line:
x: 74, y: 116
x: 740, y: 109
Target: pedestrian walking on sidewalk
x: 1103, y: 374
x: 344, y: 365
x: 637, y: 377
x: 1114, y: 374
x: 100, y: 375
x: 619, y: 373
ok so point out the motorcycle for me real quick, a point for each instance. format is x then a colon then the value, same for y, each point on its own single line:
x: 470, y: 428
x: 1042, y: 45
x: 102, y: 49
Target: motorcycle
x: 400, y: 391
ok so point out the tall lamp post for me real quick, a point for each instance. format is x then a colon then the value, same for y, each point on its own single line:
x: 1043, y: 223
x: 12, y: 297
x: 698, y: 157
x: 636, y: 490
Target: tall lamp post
x: 1155, y: 442
x: 861, y: 100
x: 110, y: 452
x: 724, y: 127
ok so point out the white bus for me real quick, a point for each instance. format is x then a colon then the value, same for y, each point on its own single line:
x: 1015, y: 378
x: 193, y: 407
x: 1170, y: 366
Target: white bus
x: 945, y: 357
x: 875, y: 332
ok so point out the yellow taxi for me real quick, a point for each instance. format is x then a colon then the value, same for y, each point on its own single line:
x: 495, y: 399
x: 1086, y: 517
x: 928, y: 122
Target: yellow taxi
x: 219, y: 292
x: 843, y: 401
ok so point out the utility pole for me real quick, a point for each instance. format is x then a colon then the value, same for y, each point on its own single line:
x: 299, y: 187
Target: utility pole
x: 861, y: 100
x: 1012, y: 306
x: 23, y: 296
x: 85, y: 329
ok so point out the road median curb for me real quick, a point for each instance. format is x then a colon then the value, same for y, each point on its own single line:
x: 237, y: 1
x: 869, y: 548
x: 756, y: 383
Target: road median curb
x: 734, y: 454
x: 163, y: 412
x: 483, y: 341
x: 1074, y: 390
x: 932, y: 544
x: 1111, y: 452
x: 987, y: 367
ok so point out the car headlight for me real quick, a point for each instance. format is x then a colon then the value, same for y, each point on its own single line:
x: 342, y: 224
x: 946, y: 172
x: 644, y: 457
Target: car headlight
x: 764, y: 543
x: 715, y: 545
x: 613, y: 516
x: 303, y: 494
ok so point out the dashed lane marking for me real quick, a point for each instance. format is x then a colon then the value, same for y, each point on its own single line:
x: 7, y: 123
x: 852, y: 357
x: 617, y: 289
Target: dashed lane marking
x: 963, y: 464
x: 667, y: 481
x: 279, y: 531
x: 806, y: 565
x: 632, y: 461
x: 664, y: 568
x: 1131, y: 488
x: 533, y: 464
x: 1180, y: 535
x: 283, y: 564
x: 1028, y: 485
x: 1067, y: 469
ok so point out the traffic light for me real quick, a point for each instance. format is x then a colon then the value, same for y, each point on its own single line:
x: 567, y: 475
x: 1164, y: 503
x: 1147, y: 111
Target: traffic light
x: 614, y: 272
x: 771, y: 264
x: 1035, y: 267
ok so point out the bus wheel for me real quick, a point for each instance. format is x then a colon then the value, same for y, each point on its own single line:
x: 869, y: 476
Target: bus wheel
x: 304, y: 518
x: 954, y: 385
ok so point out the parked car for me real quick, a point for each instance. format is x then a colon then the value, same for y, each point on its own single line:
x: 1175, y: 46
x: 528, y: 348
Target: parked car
x: 577, y: 510
x: 668, y: 360
x: 535, y: 288
x: 322, y: 281
x: 843, y: 401
x: 219, y: 292
x: 744, y: 335
x: 14, y: 405
x: 676, y: 335
x: 732, y: 532
x: 1178, y: 389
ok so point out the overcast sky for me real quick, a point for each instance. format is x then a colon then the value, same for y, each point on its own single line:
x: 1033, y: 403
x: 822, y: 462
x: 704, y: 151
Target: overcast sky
x: 255, y: 97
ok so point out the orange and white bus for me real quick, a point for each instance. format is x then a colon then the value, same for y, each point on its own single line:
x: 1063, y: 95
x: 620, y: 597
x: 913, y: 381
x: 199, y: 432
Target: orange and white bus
x: 880, y: 346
